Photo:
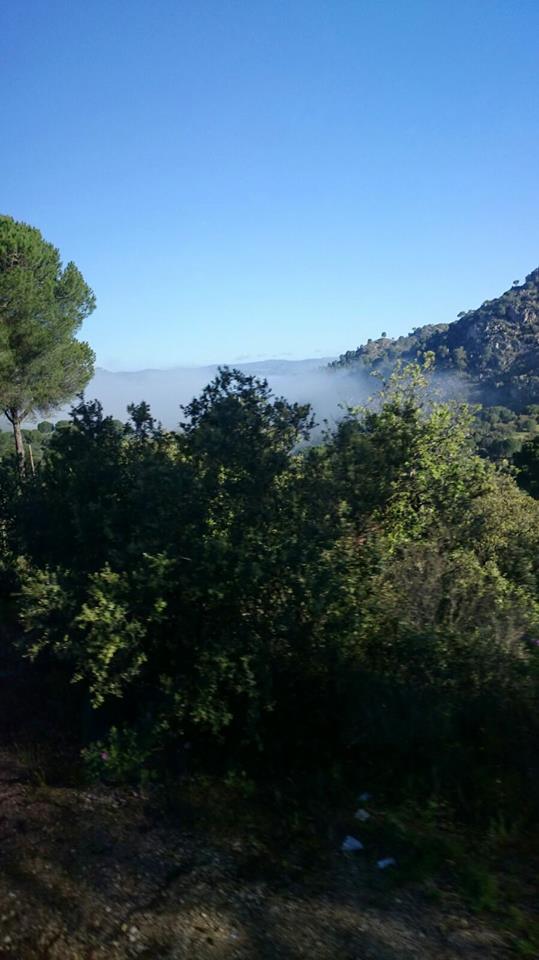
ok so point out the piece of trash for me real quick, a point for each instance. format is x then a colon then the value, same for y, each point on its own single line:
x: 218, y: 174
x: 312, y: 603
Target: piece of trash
x: 386, y: 862
x: 350, y: 844
x: 365, y: 797
x: 362, y: 815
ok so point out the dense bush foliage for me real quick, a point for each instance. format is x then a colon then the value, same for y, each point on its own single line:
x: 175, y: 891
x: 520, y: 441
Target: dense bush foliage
x: 500, y: 433
x: 367, y: 602
x: 526, y: 461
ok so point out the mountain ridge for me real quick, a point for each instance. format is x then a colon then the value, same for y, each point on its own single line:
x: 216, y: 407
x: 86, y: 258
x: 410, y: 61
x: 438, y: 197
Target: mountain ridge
x: 273, y: 365
x: 494, y: 348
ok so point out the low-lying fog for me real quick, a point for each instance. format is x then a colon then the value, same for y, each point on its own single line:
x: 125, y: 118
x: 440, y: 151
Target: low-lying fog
x: 166, y: 390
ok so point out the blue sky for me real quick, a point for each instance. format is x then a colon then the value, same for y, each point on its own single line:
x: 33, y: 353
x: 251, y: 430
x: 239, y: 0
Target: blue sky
x: 255, y: 178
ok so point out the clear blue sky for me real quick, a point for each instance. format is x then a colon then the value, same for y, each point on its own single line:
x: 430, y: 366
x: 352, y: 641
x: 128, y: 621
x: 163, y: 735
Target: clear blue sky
x: 246, y: 178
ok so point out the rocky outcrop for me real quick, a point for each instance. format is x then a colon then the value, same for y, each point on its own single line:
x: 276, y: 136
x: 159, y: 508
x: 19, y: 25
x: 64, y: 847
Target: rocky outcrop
x: 494, y: 348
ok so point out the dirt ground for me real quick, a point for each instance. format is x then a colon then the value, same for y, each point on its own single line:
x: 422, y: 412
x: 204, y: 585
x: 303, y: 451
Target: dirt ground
x: 87, y: 874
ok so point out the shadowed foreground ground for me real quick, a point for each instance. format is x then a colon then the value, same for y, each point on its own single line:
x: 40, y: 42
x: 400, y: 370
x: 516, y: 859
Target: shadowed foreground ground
x: 88, y: 874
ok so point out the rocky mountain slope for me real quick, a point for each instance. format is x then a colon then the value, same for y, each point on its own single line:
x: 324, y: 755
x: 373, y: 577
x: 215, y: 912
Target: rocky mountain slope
x: 494, y: 348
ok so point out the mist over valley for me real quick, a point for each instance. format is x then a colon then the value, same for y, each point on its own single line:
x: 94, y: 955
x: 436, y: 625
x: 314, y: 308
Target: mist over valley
x: 302, y: 381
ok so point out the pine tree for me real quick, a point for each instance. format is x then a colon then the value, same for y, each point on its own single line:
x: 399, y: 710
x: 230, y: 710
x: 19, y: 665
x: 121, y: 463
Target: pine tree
x: 42, y: 306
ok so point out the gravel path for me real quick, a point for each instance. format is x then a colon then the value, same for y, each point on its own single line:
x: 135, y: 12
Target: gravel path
x: 98, y: 875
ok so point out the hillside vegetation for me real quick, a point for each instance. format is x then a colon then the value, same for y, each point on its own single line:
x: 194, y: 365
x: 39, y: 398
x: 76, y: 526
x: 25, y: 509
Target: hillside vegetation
x: 493, y: 349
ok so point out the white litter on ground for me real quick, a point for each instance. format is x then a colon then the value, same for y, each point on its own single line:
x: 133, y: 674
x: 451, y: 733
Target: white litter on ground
x: 350, y: 844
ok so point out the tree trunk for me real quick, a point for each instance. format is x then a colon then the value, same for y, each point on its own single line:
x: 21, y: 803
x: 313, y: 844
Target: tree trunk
x: 31, y: 458
x: 19, y: 443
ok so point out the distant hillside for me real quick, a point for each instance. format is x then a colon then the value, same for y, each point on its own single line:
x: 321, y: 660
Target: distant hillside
x: 495, y: 348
